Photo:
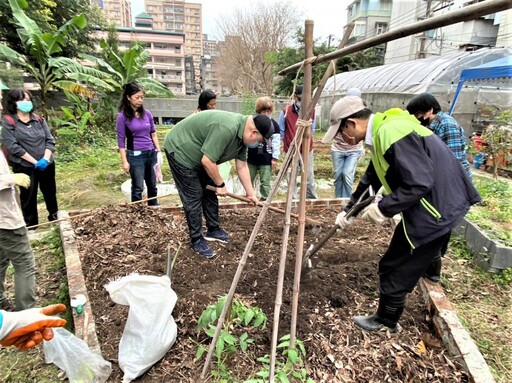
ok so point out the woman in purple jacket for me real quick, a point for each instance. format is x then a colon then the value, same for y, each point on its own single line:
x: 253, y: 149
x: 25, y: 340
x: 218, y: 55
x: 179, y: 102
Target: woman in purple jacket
x: 138, y: 142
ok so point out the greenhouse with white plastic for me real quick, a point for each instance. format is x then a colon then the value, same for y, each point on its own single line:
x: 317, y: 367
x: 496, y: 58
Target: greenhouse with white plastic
x: 481, y: 96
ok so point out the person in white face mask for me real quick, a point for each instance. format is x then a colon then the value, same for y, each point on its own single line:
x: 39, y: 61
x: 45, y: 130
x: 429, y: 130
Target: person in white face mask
x: 29, y: 147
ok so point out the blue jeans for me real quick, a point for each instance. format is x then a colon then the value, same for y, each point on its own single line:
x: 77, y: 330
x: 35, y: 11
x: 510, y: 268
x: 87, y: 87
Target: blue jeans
x: 311, y: 185
x: 141, y: 169
x: 344, y: 166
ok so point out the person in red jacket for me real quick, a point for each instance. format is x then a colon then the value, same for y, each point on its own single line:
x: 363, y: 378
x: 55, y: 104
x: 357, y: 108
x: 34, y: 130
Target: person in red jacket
x: 288, y: 127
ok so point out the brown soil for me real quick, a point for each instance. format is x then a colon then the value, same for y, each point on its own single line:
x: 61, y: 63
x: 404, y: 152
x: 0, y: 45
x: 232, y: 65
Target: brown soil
x: 117, y: 241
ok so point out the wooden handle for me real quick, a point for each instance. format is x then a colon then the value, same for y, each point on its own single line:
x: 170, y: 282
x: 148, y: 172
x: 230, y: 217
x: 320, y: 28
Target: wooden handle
x: 273, y: 208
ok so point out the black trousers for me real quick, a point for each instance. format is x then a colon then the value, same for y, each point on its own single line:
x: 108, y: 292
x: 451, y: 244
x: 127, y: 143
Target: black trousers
x: 39, y: 179
x: 401, y: 267
x: 196, y: 199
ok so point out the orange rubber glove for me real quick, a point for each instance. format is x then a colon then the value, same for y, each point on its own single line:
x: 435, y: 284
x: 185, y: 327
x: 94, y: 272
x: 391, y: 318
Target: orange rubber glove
x: 26, y: 329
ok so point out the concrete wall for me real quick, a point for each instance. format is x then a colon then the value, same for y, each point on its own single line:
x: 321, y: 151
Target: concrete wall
x: 178, y: 108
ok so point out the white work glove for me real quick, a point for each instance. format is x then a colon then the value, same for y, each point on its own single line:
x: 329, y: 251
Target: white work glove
x: 343, y: 222
x: 373, y: 214
x: 21, y: 179
x: 25, y: 329
x: 395, y: 220
x: 159, y: 158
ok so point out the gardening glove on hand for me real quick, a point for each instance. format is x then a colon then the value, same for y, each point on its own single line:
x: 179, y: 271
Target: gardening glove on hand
x: 21, y: 179
x: 395, y: 220
x: 342, y: 221
x: 41, y: 164
x: 373, y: 214
x: 159, y: 158
x: 27, y: 328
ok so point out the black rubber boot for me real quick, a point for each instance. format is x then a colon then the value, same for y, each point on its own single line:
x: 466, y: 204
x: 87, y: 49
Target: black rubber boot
x: 387, y: 316
x: 433, y: 272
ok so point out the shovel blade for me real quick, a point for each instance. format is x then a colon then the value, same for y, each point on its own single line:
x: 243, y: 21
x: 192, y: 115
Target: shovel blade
x: 306, y: 262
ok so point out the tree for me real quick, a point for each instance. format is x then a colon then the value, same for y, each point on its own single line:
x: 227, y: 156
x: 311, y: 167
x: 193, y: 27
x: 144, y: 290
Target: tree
x: 498, y: 141
x: 288, y: 56
x: 49, y: 15
x: 41, y: 59
x: 248, y: 35
x: 123, y: 67
x: 126, y: 66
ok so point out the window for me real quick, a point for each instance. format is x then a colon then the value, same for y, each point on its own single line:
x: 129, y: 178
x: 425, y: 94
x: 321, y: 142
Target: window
x: 380, y: 28
x: 359, y: 30
x: 385, y: 4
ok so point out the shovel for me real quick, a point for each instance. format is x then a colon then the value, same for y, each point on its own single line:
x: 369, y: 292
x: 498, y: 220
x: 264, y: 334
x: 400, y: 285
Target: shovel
x: 354, y: 210
x: 314, y: 226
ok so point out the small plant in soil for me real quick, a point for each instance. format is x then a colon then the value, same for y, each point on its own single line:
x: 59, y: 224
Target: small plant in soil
x: 291, y: 370
x: 240, y: 316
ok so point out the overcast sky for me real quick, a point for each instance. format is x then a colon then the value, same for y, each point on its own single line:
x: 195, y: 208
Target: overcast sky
x: 328, y: 18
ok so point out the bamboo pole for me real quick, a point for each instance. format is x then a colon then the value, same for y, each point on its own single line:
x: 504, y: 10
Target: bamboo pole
x: 282, y: 259
x: 243, y: 260
x: 471, y: 12
x: 306, y: 97
x: 93, y: 210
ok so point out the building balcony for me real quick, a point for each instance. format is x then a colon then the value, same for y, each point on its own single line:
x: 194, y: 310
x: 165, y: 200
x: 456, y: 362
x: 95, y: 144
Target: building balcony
x: 370, y: 13
x: 168, y: 77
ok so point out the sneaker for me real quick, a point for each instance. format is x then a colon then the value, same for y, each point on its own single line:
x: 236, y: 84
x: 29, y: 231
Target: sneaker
x: 6, y: 305
x: 200, y: 246
x: 218, y: 235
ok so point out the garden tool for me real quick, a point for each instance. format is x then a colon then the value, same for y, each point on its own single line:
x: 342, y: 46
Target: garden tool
x: 354, y: 210
x: 314, y: 226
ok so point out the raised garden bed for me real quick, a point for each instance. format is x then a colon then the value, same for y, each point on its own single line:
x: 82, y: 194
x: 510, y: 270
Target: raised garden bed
x: 114, y: 242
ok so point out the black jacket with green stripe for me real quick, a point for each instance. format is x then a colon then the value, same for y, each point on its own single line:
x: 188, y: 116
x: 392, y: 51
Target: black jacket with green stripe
x: 423, y: 179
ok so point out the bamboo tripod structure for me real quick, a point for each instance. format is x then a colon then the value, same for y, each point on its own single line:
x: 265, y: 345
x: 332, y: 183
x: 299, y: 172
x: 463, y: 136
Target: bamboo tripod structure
x: 292, y: 158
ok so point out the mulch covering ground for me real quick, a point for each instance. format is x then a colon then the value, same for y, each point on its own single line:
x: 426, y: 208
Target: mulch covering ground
x: 117, y: 241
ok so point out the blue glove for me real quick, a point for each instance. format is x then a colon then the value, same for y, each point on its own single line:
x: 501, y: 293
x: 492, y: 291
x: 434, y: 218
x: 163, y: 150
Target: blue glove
x: 42, y: 164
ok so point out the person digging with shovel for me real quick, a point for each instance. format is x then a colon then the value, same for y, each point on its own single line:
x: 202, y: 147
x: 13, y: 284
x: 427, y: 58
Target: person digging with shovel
x: 194, y: 148
x: 423, y: 181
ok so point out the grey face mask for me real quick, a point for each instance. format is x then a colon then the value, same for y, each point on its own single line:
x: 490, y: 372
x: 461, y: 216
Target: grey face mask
x: 424, y: 121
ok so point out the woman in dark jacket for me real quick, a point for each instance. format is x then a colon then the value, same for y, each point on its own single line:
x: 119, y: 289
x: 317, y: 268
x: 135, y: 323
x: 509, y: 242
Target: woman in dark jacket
x: 30, y: 146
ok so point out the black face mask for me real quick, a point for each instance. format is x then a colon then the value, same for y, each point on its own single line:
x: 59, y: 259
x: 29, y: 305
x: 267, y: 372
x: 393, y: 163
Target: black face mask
x: 423, y: 121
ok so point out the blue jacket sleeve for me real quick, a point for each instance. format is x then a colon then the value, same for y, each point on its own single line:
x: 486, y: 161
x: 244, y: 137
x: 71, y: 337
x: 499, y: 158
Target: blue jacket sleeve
x: 282, y: 124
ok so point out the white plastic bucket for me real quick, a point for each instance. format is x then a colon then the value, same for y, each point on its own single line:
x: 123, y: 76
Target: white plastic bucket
x: 162, y: 188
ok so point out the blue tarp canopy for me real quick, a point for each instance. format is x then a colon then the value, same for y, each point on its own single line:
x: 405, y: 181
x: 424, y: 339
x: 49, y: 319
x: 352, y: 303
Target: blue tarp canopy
x: 501, y: 68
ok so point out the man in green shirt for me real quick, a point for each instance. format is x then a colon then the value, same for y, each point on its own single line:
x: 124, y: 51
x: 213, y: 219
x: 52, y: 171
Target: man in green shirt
x: 194, y: 148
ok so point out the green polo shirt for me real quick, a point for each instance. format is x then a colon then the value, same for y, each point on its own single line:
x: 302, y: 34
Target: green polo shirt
x: 214, y: 133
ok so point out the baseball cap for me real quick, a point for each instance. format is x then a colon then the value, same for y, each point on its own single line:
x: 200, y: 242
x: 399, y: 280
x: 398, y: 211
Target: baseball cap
x: 264, y: 125
x: 344, y: 107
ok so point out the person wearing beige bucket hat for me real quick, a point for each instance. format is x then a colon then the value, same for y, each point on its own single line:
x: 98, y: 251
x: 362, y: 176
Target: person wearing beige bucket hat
x: 344, y: 155
x: 423, y: 181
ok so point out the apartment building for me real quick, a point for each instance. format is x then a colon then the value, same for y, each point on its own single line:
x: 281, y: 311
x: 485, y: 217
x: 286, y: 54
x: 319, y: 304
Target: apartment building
x: 181, y: 17
x: 167, y: 60
x: 209, y: 72
x: 118, y: 11
x: 487, y: 31
x: 370, y: 18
